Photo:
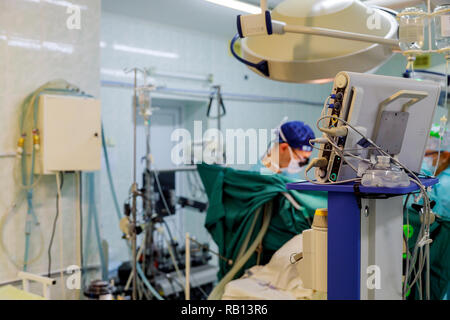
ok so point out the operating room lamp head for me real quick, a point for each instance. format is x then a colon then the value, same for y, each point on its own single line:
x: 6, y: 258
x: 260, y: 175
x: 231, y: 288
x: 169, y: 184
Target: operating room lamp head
x: 303, y: 58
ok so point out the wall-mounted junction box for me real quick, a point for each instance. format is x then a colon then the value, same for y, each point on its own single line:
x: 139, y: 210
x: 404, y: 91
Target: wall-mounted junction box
x: 70, y: 131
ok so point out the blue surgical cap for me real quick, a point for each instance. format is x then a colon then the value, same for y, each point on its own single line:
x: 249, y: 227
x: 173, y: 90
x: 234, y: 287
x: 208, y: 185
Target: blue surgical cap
x: 297, y: 135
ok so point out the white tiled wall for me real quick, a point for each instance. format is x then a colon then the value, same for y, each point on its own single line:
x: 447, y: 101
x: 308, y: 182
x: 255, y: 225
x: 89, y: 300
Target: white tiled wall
x: 35, y: 47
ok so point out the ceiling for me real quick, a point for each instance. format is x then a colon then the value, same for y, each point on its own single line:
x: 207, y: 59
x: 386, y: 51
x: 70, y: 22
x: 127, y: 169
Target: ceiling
x: 193, y: 14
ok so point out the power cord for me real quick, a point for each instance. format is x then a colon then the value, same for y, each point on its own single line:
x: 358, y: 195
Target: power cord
x: 54, y: 226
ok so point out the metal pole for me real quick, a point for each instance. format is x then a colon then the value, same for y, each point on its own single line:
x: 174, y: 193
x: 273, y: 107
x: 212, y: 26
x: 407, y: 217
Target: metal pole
x: 394, y: 4
x: 229, y: 261
x: 176, y: 169
x: 134, y: 191
x: 340, y: 34
x: 427, y: 275
x: 148, y: 158
x: 134, y: 187
x: 218, y: 108
x: 205, y: 95
x: 188, y: 267
x: 148, y: 187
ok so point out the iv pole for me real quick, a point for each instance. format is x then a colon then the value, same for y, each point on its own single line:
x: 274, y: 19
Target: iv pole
x: 146, y: 112
x: 134, y: 187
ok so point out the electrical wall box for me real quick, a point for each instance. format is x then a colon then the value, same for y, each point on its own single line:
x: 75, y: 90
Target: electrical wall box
x: 70, y: 132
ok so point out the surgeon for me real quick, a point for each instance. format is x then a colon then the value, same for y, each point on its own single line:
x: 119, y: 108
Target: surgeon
x: 438, y: 162
x: 290, y: 152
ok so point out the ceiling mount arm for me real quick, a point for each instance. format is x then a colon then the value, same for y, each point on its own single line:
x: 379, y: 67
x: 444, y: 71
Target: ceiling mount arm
x: 263, y: 5
x: 340, y: 34
x: 395, y: 4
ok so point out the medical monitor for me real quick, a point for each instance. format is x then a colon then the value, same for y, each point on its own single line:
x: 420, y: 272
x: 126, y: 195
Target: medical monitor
x: 394, y: 112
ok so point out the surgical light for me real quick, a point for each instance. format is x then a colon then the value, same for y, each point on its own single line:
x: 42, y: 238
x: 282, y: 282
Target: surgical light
x: 312, y: 40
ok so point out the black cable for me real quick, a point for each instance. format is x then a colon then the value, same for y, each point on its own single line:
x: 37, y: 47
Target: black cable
x: 177, y: 258
x: 168, y: 231
x: 406, y: 202
x: 172, y: 242
x: 54, y: 225
x: 170, y: 213
x: 221, y: 105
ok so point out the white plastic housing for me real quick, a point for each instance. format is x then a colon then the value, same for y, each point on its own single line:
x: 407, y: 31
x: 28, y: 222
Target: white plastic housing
x: 70, y: 132
x: 253, y: 25
x: 313, y: 266
x: 305, y: 58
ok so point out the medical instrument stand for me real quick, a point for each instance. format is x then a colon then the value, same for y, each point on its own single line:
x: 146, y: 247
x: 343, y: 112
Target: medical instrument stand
x: 148, y: 180
x: 134, y: 186
x: 365, y: 239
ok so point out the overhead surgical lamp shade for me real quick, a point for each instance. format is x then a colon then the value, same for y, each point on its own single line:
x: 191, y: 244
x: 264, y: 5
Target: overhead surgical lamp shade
x: 303, y: 58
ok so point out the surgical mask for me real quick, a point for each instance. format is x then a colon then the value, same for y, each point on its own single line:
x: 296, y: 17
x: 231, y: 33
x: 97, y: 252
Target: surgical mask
x: 294, y: 166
